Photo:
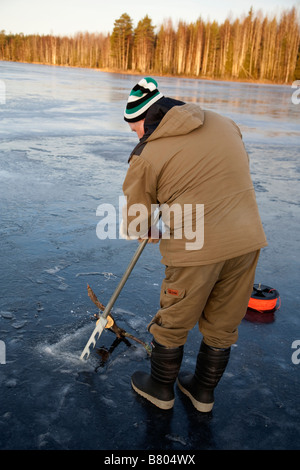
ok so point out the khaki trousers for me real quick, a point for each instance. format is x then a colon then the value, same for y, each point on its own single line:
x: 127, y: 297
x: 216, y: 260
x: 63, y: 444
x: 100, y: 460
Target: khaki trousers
x: 215, y: 296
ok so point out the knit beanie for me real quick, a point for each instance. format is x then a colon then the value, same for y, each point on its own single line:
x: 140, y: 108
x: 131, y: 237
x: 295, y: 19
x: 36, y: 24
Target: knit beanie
x: 141, y: 97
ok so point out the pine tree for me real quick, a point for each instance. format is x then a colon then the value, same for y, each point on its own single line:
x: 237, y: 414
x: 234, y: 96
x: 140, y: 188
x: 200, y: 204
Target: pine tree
x: 143, y: 51
x: 121, y: 42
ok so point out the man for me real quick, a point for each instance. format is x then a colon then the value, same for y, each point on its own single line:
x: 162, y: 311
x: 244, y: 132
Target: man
x: 189, y: 158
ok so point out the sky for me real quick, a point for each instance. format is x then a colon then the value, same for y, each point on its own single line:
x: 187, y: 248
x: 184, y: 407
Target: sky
x: 67, y: 17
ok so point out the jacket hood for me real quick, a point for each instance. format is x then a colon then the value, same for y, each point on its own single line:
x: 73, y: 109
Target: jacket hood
x: 179, y: 120
x: 169, y: 117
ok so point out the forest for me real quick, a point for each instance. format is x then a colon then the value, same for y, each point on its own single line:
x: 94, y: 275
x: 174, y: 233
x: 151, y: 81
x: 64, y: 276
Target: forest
x: 255, y: 47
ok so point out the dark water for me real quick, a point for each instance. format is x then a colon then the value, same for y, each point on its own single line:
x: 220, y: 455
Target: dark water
x: 63, y: 151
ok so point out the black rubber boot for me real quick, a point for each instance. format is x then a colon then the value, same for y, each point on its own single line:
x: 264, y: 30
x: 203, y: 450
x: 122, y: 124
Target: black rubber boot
x: 158, y: 387
x: 211, y: 364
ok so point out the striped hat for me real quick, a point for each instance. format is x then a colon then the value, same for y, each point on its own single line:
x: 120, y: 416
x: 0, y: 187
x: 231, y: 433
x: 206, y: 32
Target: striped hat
x: 141, y: 97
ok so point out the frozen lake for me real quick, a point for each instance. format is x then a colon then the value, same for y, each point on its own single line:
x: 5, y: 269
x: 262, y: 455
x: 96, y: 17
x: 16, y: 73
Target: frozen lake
x: 63, y: 151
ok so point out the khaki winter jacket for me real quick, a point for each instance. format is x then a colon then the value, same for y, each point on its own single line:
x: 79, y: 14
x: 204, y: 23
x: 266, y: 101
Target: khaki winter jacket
x: 196, y: 157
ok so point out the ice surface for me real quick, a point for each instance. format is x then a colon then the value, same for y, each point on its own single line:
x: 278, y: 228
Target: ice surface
x: 64, y: 150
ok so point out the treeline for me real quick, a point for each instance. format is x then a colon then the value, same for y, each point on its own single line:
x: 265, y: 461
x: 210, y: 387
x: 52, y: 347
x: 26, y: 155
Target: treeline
x: 255, y: 47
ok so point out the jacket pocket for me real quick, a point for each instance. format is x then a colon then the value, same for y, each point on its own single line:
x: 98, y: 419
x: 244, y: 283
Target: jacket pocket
x: 174, y: 292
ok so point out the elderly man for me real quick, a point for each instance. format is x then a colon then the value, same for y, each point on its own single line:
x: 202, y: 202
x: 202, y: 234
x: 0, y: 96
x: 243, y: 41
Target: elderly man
x: 190, y: 158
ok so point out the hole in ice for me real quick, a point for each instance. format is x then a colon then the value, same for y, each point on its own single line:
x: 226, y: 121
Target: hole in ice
x: 68, y: 347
